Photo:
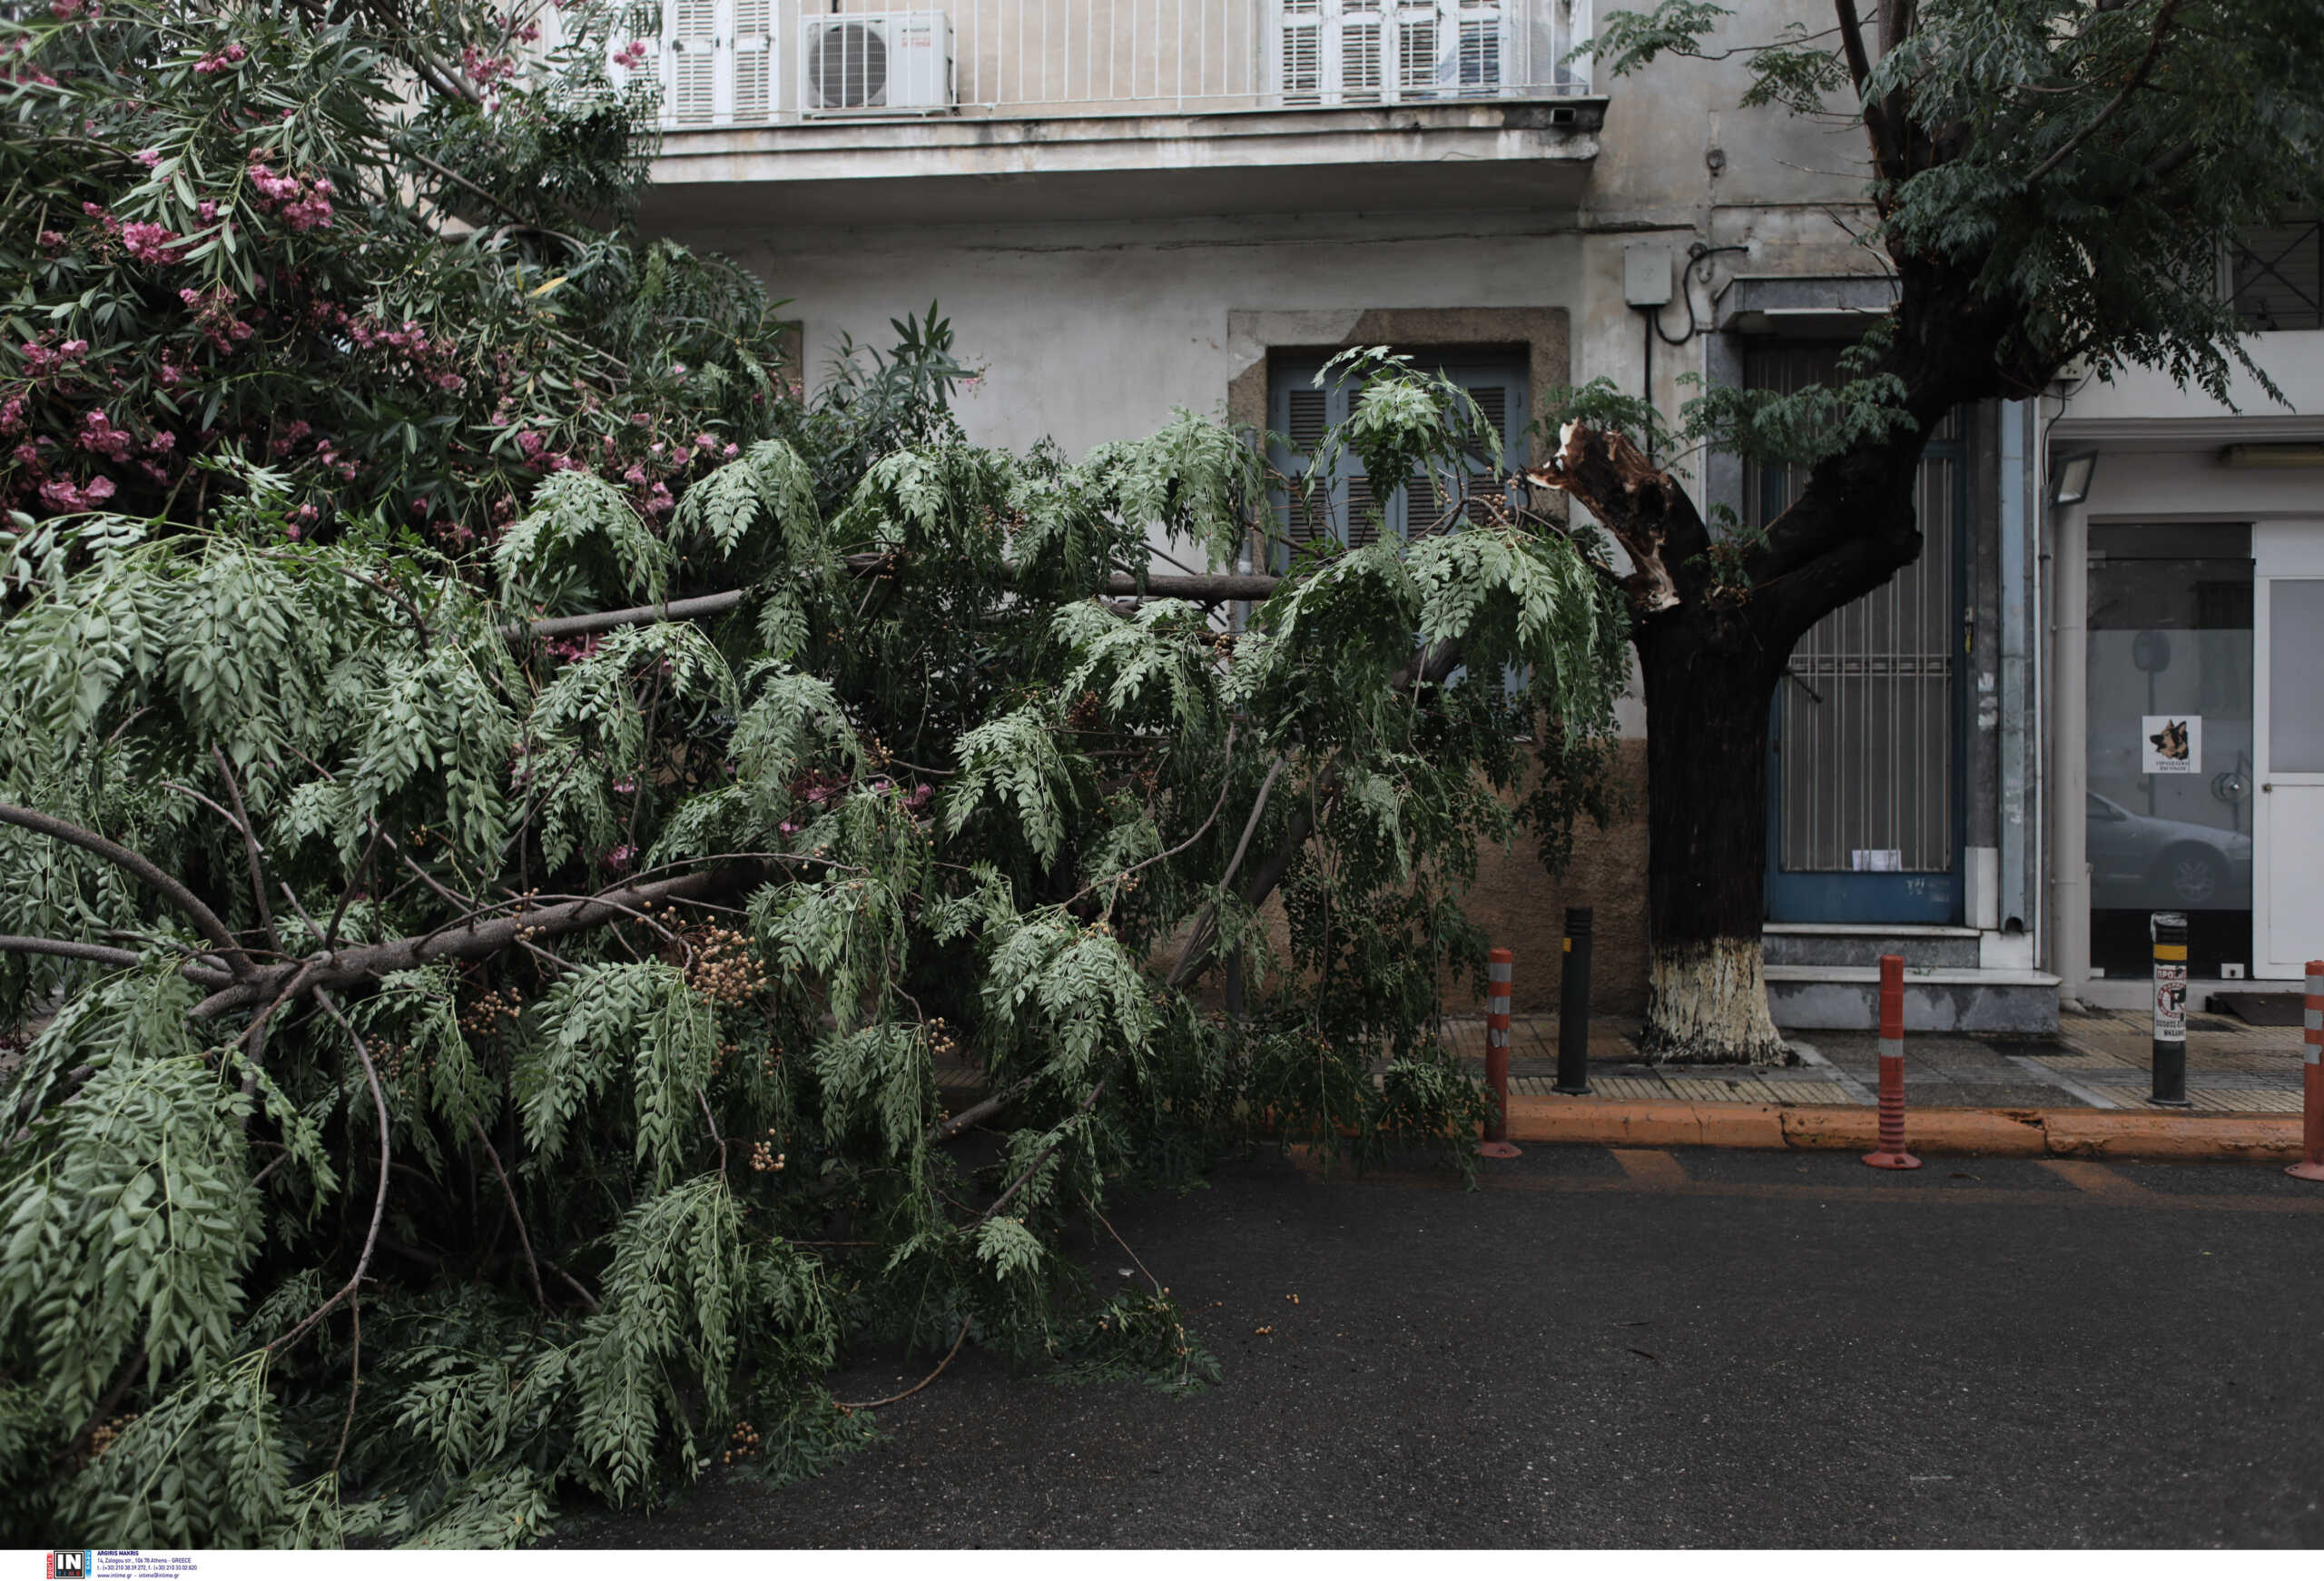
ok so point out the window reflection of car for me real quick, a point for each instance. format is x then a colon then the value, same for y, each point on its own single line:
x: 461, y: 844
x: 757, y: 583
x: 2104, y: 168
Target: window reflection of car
x: 2141, y: 861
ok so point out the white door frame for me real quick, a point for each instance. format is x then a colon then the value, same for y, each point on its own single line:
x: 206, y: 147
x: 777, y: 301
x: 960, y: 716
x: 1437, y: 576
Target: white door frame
x: 2291, y: 550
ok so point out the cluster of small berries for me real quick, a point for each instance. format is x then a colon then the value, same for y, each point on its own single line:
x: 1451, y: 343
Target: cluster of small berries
x: 102, y: 1436
x: 724, y: 970
x: 746, y: 1443
x: 764, y: 1160
x: 483, y: 1014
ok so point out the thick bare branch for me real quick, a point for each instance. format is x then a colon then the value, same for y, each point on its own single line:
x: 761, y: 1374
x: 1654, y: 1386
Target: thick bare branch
x: 102, y: 954
x: 1222, y: 589
x: 477, y: 939
x: 1632, y: 499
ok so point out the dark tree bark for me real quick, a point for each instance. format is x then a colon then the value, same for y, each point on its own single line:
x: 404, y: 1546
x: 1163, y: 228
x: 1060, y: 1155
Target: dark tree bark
x: 1714, y: 625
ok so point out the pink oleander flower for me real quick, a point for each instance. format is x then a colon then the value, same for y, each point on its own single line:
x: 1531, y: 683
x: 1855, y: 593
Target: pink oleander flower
x: 60, y: 494
x: 630, y: 57
x: 151, y: 244
x: 99, y: 436
x: 148, y: 157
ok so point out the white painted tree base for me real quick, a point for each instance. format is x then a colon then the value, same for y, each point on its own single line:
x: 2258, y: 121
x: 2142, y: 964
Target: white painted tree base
x: 1708, y: 1003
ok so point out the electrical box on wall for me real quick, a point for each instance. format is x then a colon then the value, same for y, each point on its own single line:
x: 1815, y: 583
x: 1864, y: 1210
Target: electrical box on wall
x: 1645, y: 274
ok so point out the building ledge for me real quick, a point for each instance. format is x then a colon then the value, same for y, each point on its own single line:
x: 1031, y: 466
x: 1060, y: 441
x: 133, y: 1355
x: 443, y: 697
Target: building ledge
x: 1474, y: 154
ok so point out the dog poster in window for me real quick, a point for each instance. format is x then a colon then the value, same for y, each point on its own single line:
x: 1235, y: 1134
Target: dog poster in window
x: 2171, y: 743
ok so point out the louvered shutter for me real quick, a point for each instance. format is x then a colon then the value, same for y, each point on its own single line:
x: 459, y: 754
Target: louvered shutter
x: 1299, y: 66
x: 1302, y: 421
x: 1370, y: 52
x: 1418, y: 29
x: 690, y: 70
x: 753, y: 55
x: 1350, y: 508
x: 1361, y: 31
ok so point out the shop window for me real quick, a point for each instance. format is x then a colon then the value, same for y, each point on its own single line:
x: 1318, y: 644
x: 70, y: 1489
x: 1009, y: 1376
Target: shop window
x: 2169, y: 808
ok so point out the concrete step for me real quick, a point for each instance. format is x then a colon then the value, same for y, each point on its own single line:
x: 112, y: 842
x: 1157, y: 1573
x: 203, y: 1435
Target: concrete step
x: 1862, y: 944
x: 1936, y: 999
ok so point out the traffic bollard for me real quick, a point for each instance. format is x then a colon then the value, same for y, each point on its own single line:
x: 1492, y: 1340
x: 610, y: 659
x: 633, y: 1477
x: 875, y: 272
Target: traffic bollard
x: 1892, y: 1154
x: 1573, y: 1005
x: 2169, y: 931
x: 2311, y: 1081
x: 1499, y: 968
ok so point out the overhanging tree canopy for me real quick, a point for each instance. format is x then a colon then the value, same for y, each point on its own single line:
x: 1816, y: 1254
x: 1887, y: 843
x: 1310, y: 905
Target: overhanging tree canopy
x: 2049, y: 180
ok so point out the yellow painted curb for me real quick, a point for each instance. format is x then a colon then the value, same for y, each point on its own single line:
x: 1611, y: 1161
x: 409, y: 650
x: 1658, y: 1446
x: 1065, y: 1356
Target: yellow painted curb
x: 2098, y: 1134
x: 1977, y: 1132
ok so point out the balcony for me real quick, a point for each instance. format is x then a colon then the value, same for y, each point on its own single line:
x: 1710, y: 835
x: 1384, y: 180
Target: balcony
x: 850, y: 112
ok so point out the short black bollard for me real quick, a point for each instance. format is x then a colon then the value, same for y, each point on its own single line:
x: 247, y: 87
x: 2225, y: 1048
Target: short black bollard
x: 2169, y: 931
x: 1573, y: 1005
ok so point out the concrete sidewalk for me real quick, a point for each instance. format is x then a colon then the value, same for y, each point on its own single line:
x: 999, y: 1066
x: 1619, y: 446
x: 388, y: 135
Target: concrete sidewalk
x: 2099, y: 1060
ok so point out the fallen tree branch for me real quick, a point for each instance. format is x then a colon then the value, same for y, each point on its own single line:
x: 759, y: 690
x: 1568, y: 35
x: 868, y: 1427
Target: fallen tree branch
x: 205, y: 920
x: 104, y: 955
x: 474, y: 941
x: 982, y: 1111
x: 915, y: 1388
x: 532, y: 1264
x: 1222, y: 589
x: 378, y: 1202
x: 1199, y: 941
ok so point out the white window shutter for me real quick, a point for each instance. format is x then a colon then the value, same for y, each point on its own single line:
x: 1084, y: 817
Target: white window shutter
x: 1299, y: 68
x: 1487, y: 63
x: 1362, y: 34
x: 690, y: 43
x: 1419, y: 34
x: 754, y: 52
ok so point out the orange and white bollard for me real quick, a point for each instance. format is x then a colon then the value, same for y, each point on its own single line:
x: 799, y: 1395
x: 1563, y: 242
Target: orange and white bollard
x: 2311, y: 1081
x: 1499, y: 966
x: 1891, y: 1154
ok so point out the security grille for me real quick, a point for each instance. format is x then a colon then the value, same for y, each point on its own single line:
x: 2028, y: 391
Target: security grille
x: 2277, y: 275
x: 1864, y: 731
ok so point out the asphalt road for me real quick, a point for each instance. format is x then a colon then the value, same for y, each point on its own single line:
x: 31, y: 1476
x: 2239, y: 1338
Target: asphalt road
x: 1663, y: 1349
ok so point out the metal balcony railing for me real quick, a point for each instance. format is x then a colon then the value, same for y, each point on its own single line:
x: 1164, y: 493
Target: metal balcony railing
x: 755, y: 63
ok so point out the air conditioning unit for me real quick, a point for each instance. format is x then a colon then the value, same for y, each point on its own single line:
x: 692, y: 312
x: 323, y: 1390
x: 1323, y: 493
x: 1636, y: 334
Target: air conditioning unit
x: 876, y: 63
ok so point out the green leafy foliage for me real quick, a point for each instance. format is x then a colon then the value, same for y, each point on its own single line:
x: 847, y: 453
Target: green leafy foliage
x: 522, y: 1073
